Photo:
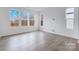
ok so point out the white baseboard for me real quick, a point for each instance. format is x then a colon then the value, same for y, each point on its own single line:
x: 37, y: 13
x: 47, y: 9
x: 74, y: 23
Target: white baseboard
x: 18, y: 33
x: 62, y: 35
x: 0, y: 37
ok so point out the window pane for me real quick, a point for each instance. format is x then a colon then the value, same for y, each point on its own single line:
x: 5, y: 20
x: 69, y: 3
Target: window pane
x: 15, y: 23
x: 70, y: 18
x: 14, y: 14
x: 31, y: 20
x: 24, y: 22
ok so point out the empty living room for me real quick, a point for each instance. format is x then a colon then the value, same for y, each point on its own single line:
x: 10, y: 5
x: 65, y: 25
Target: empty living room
x: 39, y: 29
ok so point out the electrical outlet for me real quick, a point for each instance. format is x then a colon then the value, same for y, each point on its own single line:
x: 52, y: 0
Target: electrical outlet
x: 53, y: 30
x: 53, y: 19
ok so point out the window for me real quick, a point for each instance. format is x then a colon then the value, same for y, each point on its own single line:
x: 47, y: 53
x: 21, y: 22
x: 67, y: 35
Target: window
x: 31, y: 20
x: 41, y: 20
x: 28, y: 19
x: 14, y: 14
x: 24, y: 21
x: 25, y: 18
x: 70, y: 18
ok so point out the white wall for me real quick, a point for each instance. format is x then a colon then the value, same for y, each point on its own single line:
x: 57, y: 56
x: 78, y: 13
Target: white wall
x: 78, y: 21
x: 6, y: 29
x: 58, y: 26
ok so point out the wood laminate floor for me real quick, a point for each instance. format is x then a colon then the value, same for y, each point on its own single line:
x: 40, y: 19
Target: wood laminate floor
x: 38, y: 41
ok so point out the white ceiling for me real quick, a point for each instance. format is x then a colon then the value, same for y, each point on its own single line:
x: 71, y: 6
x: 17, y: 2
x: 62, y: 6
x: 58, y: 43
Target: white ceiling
x: 37, y: 8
